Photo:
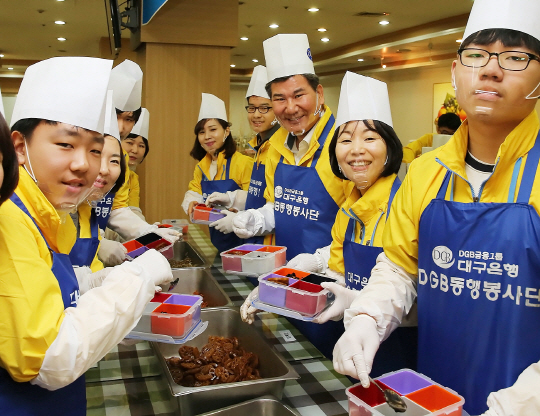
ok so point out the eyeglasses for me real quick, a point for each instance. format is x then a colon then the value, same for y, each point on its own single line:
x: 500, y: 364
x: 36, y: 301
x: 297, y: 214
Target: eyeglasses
x: 509, y: 60
x: 262, y: 110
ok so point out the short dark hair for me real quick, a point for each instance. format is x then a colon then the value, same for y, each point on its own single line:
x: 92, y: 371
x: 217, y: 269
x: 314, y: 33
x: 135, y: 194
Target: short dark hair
x: 312, y: 79
x: 229, y: 146
x: 10, y: 163
x: 26, y: 126
x: 507, y: 37
x: 123, y: 169
x: 145, y: 140
x: 136, y: 113
x: 394, y: 148
x: 450, y: 120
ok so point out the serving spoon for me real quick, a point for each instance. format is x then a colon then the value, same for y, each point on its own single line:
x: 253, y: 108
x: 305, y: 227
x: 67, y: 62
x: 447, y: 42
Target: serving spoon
x: 393, y: 399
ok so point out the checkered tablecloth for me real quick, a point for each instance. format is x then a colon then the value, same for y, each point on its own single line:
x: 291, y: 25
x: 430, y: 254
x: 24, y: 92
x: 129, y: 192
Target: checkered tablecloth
x: 129, y: 380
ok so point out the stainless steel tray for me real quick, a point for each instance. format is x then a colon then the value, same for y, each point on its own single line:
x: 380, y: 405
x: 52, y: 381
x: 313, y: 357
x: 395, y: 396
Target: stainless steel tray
x: 202, y: 281
x: 226, y: 322
x: 182, y: 249
x: 263, y: 406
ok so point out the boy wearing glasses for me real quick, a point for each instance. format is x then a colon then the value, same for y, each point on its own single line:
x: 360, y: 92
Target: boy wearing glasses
x: 462, y: 237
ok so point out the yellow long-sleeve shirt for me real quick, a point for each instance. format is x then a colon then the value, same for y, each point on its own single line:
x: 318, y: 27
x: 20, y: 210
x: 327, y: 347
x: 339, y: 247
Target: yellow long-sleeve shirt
x: 134, y: 194
x: 414, y: 149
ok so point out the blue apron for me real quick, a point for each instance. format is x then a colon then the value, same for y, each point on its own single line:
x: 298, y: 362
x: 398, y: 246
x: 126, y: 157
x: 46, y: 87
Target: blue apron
x: 478, y: 289
x: 85, y: 249
x: 255, y: 197
x: 222, y: 242
x: 25, y: 399
x: 399, y: 350
x: 103, y: 210
x: 304, y: 211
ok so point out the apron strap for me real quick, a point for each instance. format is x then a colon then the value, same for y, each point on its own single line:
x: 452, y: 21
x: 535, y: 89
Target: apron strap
x: 513, y: 183
x: 227, y: 168
x: 375, y: 229
x: 529, y: 172
x: 204, y: 177
x: 444, y: 186
x: 17, y: 201
x: 395, y: 187
x: 322, y: 139
x: 355, y: 220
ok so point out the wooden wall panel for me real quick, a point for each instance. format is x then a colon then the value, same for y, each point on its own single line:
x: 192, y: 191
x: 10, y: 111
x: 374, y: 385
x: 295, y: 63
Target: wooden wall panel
x: 174, y: 78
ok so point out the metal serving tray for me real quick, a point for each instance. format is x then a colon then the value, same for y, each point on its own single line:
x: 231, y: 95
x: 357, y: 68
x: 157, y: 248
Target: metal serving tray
x: 263, y: 406
x: 202, y: 281
x: 182, y: 249
x: 226, y: 322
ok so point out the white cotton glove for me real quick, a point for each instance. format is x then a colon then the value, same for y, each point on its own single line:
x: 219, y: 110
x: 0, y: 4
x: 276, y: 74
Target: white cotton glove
x: 167, y: 233
x: 343, y: 299
x: 225, y: 224
x: 355, y: 350
x: 248, y: 223
x: 307, y: 262
x: 217, y: 198
x: 111, y: 253
x: 157, y: 266
x: 88, y: 280
x: 247, y: 311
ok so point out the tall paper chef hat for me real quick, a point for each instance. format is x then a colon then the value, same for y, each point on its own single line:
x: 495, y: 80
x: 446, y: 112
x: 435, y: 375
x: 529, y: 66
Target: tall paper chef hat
x: 363, y: 98
x: 70, y: 90
x: 111, y: 122
x: 126, y: 82
x: 2, y: 105
x: 212, y: 107
x: 142, y: 125
x: 519, y: 15
x: 287, y: 55
x: 257, y: 83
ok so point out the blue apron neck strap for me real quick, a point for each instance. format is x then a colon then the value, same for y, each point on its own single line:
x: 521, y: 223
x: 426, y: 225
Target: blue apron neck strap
x: 204, y: 177
x: 17, y: 201
x: 513, y: 182
x: 227, y: 168
x: 355, y: 219
x: 322, y: 139
x: 395, y: 187
x: 444, y: 186
x: 529, y: 172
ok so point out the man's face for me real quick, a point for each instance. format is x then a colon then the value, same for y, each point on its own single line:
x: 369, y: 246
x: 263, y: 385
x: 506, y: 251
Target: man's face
x: 295, y: 104
x: 445, y: 130
x: 258, y: 121
x: 493, y: 94
x: 126, y: 121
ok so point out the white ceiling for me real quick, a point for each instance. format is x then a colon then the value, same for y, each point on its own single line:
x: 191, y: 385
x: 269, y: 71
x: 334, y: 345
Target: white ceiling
x: 428, y: 29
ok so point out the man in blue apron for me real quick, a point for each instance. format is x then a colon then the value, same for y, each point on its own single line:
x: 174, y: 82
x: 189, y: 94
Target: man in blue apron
x: 262, y: 121
x: 462, y: 234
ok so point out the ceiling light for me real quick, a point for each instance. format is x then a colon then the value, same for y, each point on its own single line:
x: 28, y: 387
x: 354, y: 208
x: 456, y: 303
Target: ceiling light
x: 11, y: 69
x: 61, y: 39
x: 325, y: 39
x: 60, y: 0
x: 59, y: 22
x: 459, y: 40
x: 321, y: 29
x: 244, y: 38
x: 255, y: 60
x: 361, y: 60
x: 384, y: 66
x: 273, y: 26
x: 1, y: 55
x: 313, y: 9
x: 233, y: 65
x: 384, y: 22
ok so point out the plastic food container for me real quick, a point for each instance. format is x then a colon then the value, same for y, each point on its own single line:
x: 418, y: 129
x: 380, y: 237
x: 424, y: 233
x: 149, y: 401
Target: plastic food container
x: 171, y: 318
x: 299, y: 298
x: 422, y: 395
x: 253, y: 259
x: 179, y: 224
x: 205, y: 215
x: 146, y: 242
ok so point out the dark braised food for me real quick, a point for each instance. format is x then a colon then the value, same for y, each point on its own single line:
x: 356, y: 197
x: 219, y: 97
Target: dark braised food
x: 180, y: 264
x: 220, y: 361
x: 204, y: 303
x: 279, y: 280
x: 236, y: 252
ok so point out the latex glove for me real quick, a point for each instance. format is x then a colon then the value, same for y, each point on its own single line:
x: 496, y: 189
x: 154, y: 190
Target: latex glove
x: 307, y: 262
x: 167, y: 233
x: 247, y: 311
x: 88, y: 280
x: 218, y: 198
x: 157, y: 266
x: 344, y: 298
x: 225, y: 224
x: 111, y: 253
x: 355, y: 350
x: 247, y: 223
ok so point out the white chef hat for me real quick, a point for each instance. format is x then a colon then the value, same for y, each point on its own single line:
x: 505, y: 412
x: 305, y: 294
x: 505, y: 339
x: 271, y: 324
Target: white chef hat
x: 212, y: 107
x: 111, y: 122
x: 521, y: 15
x: 363, y: 98
x: 142, y: 125
x: 70, y: 90
x: 257, y: 83
x: 126, y: 82
x: 287, y: 55
x: 2, y: 105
